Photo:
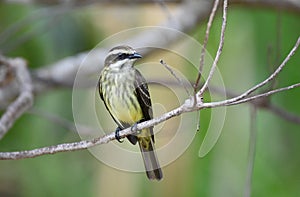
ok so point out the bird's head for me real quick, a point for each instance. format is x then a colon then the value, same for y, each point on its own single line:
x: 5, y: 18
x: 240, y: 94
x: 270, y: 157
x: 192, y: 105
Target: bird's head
x: 121, y: 57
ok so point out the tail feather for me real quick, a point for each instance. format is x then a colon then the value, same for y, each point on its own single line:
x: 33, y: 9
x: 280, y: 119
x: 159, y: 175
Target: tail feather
x: 152, y: 166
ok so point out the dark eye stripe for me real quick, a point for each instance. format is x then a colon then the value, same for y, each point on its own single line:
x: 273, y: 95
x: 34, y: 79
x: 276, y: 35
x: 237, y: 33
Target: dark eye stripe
x: 122, y: 56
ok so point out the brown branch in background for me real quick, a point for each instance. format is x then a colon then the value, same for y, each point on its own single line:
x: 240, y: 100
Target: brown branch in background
x: 284, y: 114
x: 219, y: 51
x: 25, y: 98
x: 252, y: 151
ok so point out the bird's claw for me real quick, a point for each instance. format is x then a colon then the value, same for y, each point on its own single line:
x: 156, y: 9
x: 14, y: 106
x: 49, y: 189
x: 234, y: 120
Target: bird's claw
x: 117, y: 135
x: 134, y: 127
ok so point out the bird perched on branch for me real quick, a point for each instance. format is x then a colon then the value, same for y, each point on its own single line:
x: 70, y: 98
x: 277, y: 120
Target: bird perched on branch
x: 125, y: 94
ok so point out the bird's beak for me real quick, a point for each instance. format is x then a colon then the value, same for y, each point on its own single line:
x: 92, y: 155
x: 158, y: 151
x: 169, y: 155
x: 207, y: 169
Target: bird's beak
x: 135, y: 56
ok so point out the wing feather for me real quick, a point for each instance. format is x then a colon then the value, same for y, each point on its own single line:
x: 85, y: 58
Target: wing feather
x: 143, y: 96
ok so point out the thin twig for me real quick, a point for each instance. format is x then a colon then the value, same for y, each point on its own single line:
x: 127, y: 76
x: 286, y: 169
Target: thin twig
x: 275, y: 73
x: 202, y: 57
x: 252, y: 150
x: 175, y: 76
x: 203, y: 50
x: 241, y: 97
x: 276, y: 60
x: 25, y: 99
x: 282, y: 113
x: 219, y: 51
x: 266, y: 94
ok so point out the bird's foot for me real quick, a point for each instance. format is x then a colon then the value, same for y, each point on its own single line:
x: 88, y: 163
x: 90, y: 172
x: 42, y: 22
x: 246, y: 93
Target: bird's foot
x: 134, y: 127
x: 117, y: 135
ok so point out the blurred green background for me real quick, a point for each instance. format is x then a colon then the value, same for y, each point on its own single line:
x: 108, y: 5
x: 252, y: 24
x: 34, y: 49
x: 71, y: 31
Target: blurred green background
x: 254, y: 37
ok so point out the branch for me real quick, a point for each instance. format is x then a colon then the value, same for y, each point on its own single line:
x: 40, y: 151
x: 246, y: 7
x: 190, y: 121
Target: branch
x: 24, y: 100
x: 219, y: 51
x: 90, y: 143
x: 260, y: 103
x: 263, y: 95
x: 239, y: 99
x: 207, y: 32
x: 284, y: 114
x: 180, y: 82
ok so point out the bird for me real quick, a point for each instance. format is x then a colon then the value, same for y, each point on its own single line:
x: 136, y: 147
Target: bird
x: 125, y: 94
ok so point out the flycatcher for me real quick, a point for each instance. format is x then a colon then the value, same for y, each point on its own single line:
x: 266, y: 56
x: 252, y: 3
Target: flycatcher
x: 125, y: 94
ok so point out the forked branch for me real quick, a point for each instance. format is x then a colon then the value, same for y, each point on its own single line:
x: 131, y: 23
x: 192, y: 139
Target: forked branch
x: 24, y: 100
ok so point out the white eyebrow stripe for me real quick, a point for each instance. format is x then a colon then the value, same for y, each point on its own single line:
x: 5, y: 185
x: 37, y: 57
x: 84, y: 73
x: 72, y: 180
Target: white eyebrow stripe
x: 117, y: 51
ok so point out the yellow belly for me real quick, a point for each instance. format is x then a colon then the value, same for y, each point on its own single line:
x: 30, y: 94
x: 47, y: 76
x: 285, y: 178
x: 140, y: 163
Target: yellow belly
x: 120, y: 98
x: 124, y: 113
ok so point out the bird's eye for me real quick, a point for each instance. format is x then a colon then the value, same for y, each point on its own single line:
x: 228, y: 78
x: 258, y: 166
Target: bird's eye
x: 122, y: 56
